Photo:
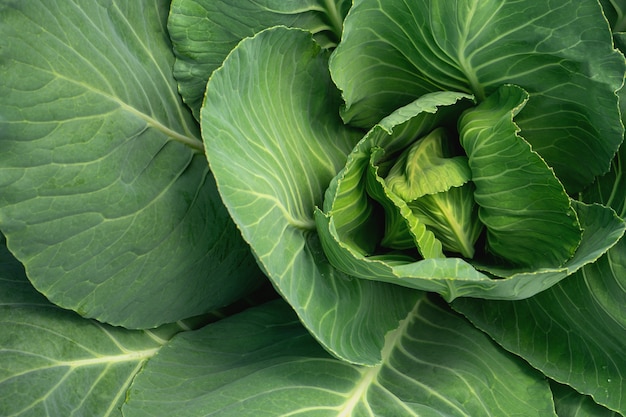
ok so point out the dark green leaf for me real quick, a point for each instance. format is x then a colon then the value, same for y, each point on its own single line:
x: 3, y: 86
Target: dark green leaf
x: 105, y: 194
x: 569, y: 403
x: 54, y: 363
x: 525, y: 209
x: 273, y: 148
x: 204, y: 32
x: 560, y: 52
x: 264, y: 363
x: 575, y: 332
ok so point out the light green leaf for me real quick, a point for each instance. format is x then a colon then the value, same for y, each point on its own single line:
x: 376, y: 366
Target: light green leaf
x: 575, y: 332
x: 453, y: 217
x: 403, y: 230
x: 274, y: 147
x: 424, y: 169
x: 204, y: 32
x: 346, y: 200
x: 344, y: 226
x: 560, y: 52
x: 525, y: 209
x: 263, y: 363
x: 105, y: 194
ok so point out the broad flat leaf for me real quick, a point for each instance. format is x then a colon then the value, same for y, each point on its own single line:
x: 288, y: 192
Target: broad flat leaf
x: 274, y: 147
x: 203, y: 32
x: 569, y: 403
x: 575, y: 332
x: 527, y: 213
x: 54, y: 363
x: 263, y: 363
x: 560, y: 52
x: 105, y: 194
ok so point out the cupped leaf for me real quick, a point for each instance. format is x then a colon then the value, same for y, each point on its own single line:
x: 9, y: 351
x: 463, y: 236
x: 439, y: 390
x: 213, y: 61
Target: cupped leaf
x: 105, y: 194
x: 560, y: 52
x: 347, y: 200
x: 403, y: 230
x: 424, y: 168
x: 203, y: 33
x: 263, y: 363
x: 455, y: 277
x: 453, y: 217
x: 348, y: 225
x: 575, y: 332
x: 273, y: 148
x: 525, y: 209
x: 436, y: 187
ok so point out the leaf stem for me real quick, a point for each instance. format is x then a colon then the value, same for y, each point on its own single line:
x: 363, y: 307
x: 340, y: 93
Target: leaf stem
x: 336, y: 20
x: 192, y: 142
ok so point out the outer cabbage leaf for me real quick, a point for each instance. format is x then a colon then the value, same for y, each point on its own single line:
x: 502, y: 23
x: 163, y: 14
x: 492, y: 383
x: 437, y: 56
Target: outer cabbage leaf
x: 105, y: 194
x: 264, y: 363
x: 203, y: 32
x: 575, y: 332
x: 610, y: 189
x: 560, y: 52
x: 273, y: 149
x: 55, y: 363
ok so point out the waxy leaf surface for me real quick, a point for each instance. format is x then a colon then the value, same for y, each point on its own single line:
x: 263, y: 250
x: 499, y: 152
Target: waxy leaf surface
x: 204, y: 32
x: 574, y: 332
x: 560, y: 52
x: 105, y: 194
x: 263, y: 363
x: 273, y: 149
x: 55, y: 363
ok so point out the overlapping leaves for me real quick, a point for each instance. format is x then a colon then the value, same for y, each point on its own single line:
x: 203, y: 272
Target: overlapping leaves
x: 275, y: 148
x: 557, y: 51
x: 205, y: 31
x: 105, y: 194
x: 55, y: 363
x: 273, y: 187
x: 580, y: 321
x: 263, y: 362
x: 98, y: 116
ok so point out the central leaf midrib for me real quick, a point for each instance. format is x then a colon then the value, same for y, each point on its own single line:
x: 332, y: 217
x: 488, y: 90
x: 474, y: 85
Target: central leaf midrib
x: 136, y: 356
x: 192, y: 142
x: 392, y: 340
